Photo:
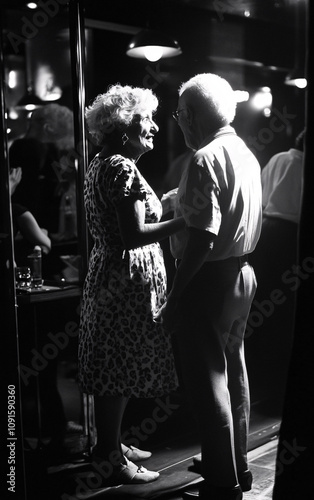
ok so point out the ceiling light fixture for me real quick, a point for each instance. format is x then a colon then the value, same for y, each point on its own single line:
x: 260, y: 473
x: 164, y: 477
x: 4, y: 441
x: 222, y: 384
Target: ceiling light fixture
x: 296, y: 78
x: 262, y: 100
x: 153, y: 45
x: 241, y: 95
x: 32, y: 5
x: 29, y: 101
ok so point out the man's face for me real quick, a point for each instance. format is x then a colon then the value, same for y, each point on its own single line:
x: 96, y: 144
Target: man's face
x: 185, y: 122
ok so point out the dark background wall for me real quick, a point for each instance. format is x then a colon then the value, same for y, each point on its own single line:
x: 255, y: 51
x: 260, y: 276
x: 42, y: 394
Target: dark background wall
x: 250, y: 52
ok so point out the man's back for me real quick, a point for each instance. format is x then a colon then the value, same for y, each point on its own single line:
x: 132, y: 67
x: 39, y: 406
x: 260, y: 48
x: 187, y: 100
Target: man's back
x: 221, y: 193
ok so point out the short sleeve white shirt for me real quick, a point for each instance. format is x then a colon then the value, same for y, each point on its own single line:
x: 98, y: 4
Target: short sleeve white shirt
x: 282, y: 182
x: 220, y: 192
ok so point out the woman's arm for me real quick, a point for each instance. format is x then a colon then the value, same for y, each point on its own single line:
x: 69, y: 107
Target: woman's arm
x: 32, y: 232
x: 133, y: 229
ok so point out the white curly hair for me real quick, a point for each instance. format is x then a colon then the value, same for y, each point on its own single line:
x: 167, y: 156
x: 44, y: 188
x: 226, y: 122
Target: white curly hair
x: 116, y: 108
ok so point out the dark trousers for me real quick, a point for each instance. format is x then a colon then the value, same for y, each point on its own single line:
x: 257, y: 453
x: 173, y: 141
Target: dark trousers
x: 209, y: 351
x: 271, y: 323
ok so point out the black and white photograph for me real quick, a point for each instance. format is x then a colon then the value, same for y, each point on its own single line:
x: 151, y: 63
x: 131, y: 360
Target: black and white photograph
x: 157, y: 249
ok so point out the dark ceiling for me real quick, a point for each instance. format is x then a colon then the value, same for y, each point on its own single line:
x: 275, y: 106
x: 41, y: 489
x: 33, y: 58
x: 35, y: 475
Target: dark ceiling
x: 138, y: 11
x: 250, y: 33
x: 251, y: 43
x: 258, y: 35
x: 267, y: 10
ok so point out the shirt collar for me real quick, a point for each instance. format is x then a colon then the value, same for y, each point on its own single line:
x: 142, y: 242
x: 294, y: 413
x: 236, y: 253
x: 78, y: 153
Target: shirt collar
x: 296, y: 152
x: 227, y: 130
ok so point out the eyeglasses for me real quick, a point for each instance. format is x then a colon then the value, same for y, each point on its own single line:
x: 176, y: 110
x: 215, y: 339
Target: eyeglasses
x: 175, y: 114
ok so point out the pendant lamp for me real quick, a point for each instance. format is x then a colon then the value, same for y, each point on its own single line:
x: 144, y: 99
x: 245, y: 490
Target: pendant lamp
x: 153, y: 45
x: 29, y: 101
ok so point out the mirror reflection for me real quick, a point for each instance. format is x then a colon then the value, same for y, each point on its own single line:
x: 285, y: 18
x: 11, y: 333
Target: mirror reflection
x: 43, y: 187
x: 41, y: 140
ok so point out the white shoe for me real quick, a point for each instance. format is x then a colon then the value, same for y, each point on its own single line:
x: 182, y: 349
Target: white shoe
x: 134, y: 454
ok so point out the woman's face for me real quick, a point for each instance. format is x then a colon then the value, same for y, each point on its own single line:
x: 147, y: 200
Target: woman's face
x: 141, y: 134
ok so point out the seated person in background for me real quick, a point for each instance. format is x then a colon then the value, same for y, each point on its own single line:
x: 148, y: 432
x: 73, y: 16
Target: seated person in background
x: 25, y: 223
x: 49, y: 138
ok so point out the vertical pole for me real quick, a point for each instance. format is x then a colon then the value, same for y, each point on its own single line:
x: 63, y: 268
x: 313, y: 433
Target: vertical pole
x: 77, y: 45
x: 13, y: 471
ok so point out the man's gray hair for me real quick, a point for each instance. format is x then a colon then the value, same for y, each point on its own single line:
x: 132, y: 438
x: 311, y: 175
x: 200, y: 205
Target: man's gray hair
x: 215, y: 93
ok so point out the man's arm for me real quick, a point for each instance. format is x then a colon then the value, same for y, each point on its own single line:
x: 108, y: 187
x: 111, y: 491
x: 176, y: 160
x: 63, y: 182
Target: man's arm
x: 199, y: 244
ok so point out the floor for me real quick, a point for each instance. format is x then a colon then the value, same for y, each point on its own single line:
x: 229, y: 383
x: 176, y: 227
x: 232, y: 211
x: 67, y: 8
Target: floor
x: 262, y: 462
x: 172, y: 437
x: 174, y: 465
x: 174, y: 443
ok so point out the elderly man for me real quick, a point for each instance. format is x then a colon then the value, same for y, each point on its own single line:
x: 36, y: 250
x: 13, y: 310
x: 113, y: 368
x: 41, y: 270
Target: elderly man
x: 220, y: 198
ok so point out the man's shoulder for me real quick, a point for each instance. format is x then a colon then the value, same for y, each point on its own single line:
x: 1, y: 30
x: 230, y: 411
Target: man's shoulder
x: 220, y: 145
x: 279, y: 159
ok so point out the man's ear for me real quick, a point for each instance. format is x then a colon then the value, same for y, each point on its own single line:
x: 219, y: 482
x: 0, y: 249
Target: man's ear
x: 189, y: 116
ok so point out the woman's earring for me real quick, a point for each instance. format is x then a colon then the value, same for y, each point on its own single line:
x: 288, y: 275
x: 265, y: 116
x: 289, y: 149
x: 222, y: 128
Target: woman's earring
x: 124, y: 139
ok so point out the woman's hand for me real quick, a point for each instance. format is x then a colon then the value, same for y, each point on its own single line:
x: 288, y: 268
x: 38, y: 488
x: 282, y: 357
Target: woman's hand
x: 167, y: 314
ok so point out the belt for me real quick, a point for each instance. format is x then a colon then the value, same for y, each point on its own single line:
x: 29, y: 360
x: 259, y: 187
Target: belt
x: 241, y: 260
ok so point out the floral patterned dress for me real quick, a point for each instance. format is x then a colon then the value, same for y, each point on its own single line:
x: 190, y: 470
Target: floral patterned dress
x: 122, y: 352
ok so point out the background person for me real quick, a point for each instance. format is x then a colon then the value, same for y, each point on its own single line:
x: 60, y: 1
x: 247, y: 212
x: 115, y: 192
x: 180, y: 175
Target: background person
x: 25, y: 224
x: 219, y: 197
x: 49, y: 136
x: 122, y: 352
x: 274, y: 258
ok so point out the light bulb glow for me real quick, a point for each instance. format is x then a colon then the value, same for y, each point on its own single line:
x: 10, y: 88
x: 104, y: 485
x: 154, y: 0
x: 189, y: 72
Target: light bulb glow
x: 12, y: 81
x: 13, y: 114
x: 30, y: 107
x: 241, y: 95
x: 263, y: 99
x: 267, y: 112
x: 301, y: 83
x: 153, y: 53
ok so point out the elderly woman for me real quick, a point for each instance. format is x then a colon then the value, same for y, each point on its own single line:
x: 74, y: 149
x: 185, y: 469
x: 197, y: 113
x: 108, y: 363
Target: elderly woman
x: 123, y: 353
